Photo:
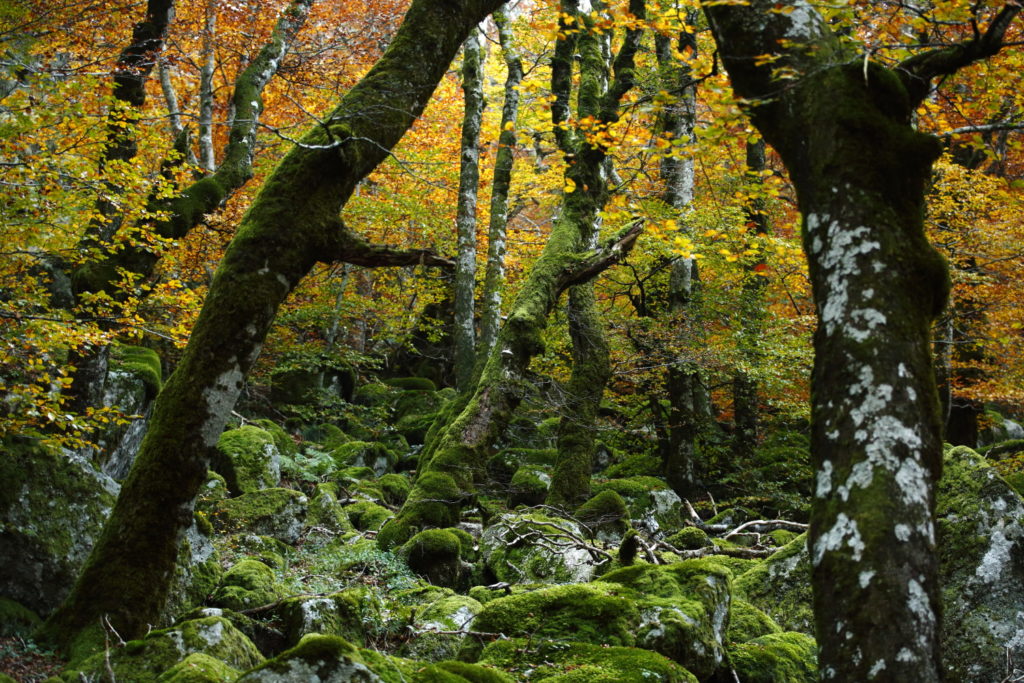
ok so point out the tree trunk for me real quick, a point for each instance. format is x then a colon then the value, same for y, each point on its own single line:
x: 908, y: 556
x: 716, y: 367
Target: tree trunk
x: 464, y: 333
x: 745, y: 403
x: 682, y: 381
x: 291, y: 225
x: 843, y: 130
x: 494, y: 278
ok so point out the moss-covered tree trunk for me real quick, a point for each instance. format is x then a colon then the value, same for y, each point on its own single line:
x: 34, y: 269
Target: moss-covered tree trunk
x: 293, y: 223
x: 494, y: 276
x: 843, y: 129
x: 464, y: 332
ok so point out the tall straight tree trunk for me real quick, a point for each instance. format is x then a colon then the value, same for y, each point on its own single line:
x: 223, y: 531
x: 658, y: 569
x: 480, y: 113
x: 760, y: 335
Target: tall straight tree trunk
x: 746, y: 407
x: 465, y: 220
x: 843, y: 129
x: 494, y: 277
x: 682, y: 383
x: 455, y: 465
x: 207, y: 157
x: 293, y: 223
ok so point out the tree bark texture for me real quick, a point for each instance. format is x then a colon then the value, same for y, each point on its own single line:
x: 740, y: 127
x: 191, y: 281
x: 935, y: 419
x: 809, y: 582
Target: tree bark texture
x: 293, y: 223
x: 464, y: 333
x: 494, y: 276
x: 842, y: 128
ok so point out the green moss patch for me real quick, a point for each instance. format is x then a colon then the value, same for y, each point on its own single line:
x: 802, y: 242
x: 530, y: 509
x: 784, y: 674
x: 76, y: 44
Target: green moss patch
x: 582, y: 663
x: 776, y: 658
x: 279, y: 513
x: 247, y: 584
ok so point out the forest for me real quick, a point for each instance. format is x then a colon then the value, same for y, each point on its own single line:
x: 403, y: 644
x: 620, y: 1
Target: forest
x: 482, y: 341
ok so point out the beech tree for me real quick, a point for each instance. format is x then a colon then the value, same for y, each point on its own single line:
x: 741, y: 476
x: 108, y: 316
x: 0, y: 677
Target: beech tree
x: 842, y: 124
x: 293, y: 224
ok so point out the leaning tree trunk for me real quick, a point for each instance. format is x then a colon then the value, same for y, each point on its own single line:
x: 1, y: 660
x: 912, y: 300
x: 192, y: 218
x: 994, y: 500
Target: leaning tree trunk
x: 292, y: 224
x: 843, y: 129
x: 464, y: 332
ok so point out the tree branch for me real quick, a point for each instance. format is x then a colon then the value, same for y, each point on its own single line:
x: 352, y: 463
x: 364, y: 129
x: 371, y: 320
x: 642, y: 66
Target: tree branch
x: 351, y: 248
x: 601, y: 258
x: 917, y: 72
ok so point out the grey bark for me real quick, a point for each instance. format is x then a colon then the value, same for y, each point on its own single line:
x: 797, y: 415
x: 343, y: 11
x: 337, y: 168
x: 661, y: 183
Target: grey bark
x: 464, y: 334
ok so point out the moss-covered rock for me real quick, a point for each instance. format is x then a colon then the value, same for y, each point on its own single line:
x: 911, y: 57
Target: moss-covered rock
x: 158, y: 652
x: 282, y: 439
x: 414, y: 426
x: 684, y: 610
x: 141, y: 362
x: 651, y: 502
x: 212, y: 492
x: 598, y: 613
x: 605, y: 515
x: 690, y: 538
x: 338, y: 614
x: 367, y: 516
x: 582, y: 663
x: 325, y: 514
x: 981, y: 562
x: 777, y: 658
x: 248, y: 584
x: 376, y: 456
x: 436, y: 554
x: 781, y: 587
x: 279, y: 513
x: 199, y: 668
x: 746, y: 622
x: 16, y: 619
x: 197, y: 571
x: 411, y: 383
x: 395, y: 488
x: 437, y: 626
x: 52, y: 508
x: 267, y: 550
x: 248, y: 459
x: 529, y: 485
x: 374, y: 395
x: 636, y: 465
x: 517, y: 548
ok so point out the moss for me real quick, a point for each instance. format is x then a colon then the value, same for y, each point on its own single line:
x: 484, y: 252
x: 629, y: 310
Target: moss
x: 199, y: 668
x: 776, y: 658
x: 285, y: 443
x: 746, y: 622
x: 685, y: 610
x: 689, y: 538
x: 415, y: 427
x: 354, y: 474
x: 733, y: 517
x: 436, y: 554
x: 329, y: 436
x: 473, y: 673
x: 16, y: 619
x: 605, y: 514
x: 582, y: 662
x: 269, y: 512
x: 139, y: 361
x: 629, y: 548
x: 249, y: 459
x: 338, y: 614
x: 781, y: 587
x: 529, y: 486
x: 376, y: 456
x: 636, y: 465
x: 367, y: 516
x: 269, y: 551
x: 411, y: 383
x: 373, y: 395
x: 158, y: 652
x: 502, y: 466
x: 431, y: 503
x: 247, y: 584
x: 326, y: 513
x: 597, y: 613
x: 445, y: 612
x: 395, y: 488
x: 516, y: 548
x: 647, y: 498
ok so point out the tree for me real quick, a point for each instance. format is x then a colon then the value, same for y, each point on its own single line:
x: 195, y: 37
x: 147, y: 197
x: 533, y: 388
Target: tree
x: 878, y: 284
x: 292, y: 224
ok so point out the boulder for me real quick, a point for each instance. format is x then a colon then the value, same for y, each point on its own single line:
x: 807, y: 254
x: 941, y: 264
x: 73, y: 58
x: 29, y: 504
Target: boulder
x: 436, y: 555
x: 776, y: 658
x: 248, y: 584
x: 248, y: 459
x: 338, y: 614
x: 160, y: 651
x: 652, y: 505
x: 981, y: 552
x: 437, y: 626
x: 376, y: 456
x: 279, y: 513
x: 583, y: 662
x: 780, y: 586
x: 533, y: 548
x: 53, y: 504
